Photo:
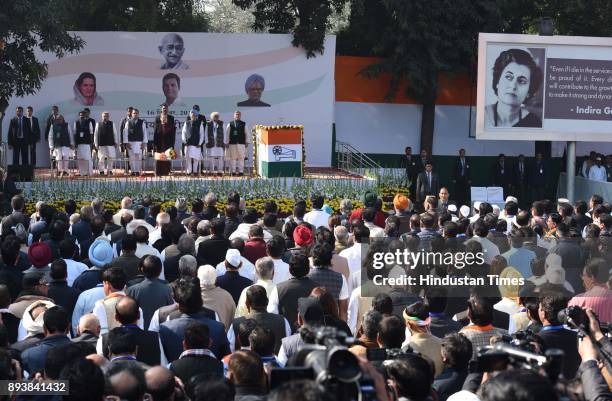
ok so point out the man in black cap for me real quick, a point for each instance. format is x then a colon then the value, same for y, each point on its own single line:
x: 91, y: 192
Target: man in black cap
x: 310, y: 314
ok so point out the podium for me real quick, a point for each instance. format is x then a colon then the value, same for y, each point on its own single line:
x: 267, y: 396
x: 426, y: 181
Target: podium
x: 278, y: 150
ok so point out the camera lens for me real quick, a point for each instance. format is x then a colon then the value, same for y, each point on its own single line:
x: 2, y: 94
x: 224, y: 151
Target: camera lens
x: 343, y: 365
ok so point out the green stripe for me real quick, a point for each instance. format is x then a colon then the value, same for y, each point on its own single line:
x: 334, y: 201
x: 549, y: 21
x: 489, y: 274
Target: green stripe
x: 281, y: 169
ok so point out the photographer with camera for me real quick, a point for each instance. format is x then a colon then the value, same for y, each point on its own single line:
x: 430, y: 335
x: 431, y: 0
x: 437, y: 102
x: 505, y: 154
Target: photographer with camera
x: 310, y: 314
x: 555, y: 335
x: 593, y: 379
x: 410, y: 378
x: 456, y: 353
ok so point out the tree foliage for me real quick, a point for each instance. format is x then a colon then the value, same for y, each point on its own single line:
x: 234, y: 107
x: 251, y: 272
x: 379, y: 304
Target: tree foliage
x: 25, y: 26
x: 225, y: 16
x: 419, y: 40
x: 136, y: 15
x: 308, y: 20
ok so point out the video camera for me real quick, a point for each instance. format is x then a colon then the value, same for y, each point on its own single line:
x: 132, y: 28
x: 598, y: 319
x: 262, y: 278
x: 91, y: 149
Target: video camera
x: 576, y: 318
x: 326, y: 359
x: 502, y: 355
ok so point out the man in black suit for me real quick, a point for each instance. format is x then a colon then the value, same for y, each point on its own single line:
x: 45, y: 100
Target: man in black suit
x: 502, y: 174
x: 409, y: 162
x: 456, y: 353
x: 149, y: 352
x: 427, y: 183
x: 34, y: 137
x: 7, y: 187
x: 196, y: 358
x: 519, y: 181
x: 555, y: 335
x: 461, y: 179
x: 212, y: 251
x: 538, y: 177
x: 421, y: 161
x: 18, y: 134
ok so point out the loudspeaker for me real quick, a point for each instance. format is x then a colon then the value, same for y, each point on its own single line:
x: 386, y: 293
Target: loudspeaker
x: 21, y: 173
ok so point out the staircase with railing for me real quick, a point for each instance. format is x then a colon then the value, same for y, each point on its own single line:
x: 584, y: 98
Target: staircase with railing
x: 353, y: 161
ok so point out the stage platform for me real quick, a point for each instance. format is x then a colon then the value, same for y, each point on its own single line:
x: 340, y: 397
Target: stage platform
x: 318, y: 173
x: 47, y: 186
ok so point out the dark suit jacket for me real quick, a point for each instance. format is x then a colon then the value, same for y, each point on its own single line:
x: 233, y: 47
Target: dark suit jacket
x: 172, y: 334
x: 50, y: 120
x: 457, y: 170
x: 34, y: 130
x: 8, y: 188
x: 33, y: 359
x: 11, y: 322
x: 410, y: 165
x: 148, y: 345
x: 13, y: 131
x: 519, y: 179
x: 233, y: 283
x: 87, y: 337
x: 111, y: 227
x: 567, y: 341
x: 82, y: 230
x: 212, y: 251
x: 448, y: 383
x: 151, y: 295
x: 502, y: 177
x: 129, y: 264
x: 191, y: 365
x: 118, y: 235
x: 63, y: 295
x: 537, y: 178
x: 88, y: 279
x: 162, y: 142
x: 423, y: 188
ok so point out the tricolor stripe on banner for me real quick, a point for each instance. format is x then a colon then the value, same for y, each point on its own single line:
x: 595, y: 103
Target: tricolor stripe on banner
x: 281, y: 137
x: 280, y: 169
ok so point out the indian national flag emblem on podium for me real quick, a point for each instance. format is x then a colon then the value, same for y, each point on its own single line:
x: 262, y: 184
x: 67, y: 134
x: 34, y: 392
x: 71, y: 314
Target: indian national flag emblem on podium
x: 279, y: 150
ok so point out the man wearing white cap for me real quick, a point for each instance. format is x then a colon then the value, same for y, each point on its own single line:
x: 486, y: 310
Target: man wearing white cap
x: 597, y: 172
x: 247, y: 269
x: 215, y: 298
x: 476, y: 215
x: 232, y: 281
x: 464, y: 211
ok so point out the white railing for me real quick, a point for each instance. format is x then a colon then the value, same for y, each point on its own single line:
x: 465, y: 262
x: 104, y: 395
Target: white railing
x: 353, y: 161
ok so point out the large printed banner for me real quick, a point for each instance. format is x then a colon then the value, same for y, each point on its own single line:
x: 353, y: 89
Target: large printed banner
x: 544, y: 88
x: 262, y: 75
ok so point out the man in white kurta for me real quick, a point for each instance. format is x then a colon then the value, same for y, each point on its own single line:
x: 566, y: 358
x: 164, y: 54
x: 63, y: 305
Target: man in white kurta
x: 215, y: 140
x: 236, y: 141
x: 61, y: 143
x: 193, y: 138
x: 83, y: 130
x: 598, y: 172
x: 135, y: 135
x: 106, y: 140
